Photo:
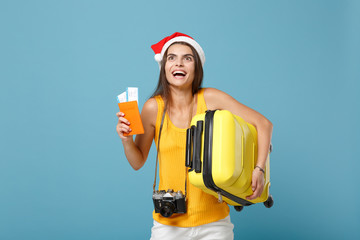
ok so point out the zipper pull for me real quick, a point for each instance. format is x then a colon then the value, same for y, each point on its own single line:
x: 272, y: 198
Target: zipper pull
x: 219, y: 197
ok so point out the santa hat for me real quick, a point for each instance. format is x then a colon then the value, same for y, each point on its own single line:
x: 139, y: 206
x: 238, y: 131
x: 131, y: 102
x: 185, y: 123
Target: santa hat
x: 160, y: 47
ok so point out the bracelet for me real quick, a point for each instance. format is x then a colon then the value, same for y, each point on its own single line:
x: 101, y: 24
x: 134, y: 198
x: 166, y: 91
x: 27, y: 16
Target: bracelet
x: 262, y: 170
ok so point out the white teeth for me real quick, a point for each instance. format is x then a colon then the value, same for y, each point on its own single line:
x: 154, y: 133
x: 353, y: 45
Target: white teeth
x: 179, y: 72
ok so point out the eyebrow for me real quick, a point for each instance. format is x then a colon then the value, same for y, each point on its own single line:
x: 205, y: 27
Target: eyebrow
x: 186, y: 55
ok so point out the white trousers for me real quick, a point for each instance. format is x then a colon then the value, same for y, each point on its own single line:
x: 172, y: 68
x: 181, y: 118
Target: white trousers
x: 222, y: 229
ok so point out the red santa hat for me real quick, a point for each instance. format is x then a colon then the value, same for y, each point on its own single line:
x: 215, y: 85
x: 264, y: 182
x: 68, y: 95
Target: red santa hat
x: 160, y: 47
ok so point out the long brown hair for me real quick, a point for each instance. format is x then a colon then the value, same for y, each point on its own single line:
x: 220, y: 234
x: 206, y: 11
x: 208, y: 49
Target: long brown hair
x: 163, y: 88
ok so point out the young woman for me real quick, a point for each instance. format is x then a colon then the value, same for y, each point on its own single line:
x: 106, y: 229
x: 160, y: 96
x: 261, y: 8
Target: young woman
x: 179, y: 96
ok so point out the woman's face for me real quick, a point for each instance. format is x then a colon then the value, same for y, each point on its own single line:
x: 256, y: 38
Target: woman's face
x: 180, y: 66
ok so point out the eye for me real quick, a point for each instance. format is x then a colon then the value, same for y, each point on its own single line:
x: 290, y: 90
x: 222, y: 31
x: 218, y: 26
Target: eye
x: 170, y: 58
x: 188, y: 58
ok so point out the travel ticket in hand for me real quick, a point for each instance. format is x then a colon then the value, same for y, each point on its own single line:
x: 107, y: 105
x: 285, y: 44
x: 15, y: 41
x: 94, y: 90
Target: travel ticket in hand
x: 128, y: 104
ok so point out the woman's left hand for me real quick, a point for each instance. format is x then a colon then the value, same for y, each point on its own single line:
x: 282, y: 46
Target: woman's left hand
x: 257, y: 184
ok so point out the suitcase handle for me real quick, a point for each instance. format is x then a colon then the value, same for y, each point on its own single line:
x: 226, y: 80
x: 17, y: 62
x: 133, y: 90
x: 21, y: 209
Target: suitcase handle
x: 189, y: 143
x: 197, y: 146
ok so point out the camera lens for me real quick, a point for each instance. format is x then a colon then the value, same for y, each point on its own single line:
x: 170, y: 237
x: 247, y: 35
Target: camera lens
x: 167, y: 209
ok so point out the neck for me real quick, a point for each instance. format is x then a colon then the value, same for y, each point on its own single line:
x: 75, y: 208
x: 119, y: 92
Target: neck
x: 180, y: 99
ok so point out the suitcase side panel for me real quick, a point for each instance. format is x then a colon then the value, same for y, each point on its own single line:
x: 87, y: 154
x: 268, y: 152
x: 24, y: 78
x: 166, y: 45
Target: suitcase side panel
x: 249, y: 154
x: 226, y: 149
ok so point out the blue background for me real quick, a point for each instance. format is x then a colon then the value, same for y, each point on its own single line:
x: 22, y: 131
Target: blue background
x: 63, y: 172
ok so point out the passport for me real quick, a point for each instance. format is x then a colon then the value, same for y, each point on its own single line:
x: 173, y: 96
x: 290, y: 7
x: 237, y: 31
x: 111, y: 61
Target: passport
x: 128, y: 104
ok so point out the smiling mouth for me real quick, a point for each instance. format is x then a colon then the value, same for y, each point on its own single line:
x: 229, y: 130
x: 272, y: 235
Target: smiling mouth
x: 179, y: 74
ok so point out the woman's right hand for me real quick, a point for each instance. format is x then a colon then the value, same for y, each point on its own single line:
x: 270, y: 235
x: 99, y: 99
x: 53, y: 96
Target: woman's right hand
x: 123, y: 127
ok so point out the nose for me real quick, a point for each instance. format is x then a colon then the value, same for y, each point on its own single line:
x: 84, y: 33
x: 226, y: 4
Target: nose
x: 179, y: 62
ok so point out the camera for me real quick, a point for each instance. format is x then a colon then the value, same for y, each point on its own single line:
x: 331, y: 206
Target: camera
x: 167, y: 203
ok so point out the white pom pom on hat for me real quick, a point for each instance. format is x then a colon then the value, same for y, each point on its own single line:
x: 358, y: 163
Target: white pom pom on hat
x: 160, y: 47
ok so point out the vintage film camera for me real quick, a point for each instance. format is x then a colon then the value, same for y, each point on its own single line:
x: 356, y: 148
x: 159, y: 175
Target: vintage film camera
x: 167, y: 203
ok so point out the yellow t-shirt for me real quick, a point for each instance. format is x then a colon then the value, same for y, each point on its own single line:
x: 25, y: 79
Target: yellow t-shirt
x: 202, y: 208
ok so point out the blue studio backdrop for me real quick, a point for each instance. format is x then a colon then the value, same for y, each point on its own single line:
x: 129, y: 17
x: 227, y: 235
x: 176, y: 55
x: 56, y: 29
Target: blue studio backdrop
x: 63, y: 172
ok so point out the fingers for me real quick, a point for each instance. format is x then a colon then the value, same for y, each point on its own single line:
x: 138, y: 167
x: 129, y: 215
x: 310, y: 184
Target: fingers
x: 256, y: 193
x: 123, y: 126
x: 257, y: 186
x: 254, y: 184
x: 121, y: 115
x: 255, y: 190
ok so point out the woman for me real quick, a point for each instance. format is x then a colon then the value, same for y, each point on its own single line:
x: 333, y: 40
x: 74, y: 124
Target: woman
x: 179, y: 96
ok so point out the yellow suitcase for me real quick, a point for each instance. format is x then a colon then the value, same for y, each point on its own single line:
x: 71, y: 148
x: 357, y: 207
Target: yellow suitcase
x: 221, y: 150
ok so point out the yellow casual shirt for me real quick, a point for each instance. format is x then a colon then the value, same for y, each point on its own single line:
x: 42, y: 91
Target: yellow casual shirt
x: 202, y: 208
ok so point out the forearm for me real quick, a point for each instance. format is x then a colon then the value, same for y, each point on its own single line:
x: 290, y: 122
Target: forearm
x: 264, y: 130
x: 133, y: 154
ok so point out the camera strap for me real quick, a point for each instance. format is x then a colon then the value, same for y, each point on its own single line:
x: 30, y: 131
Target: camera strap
x: 158, y: 147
